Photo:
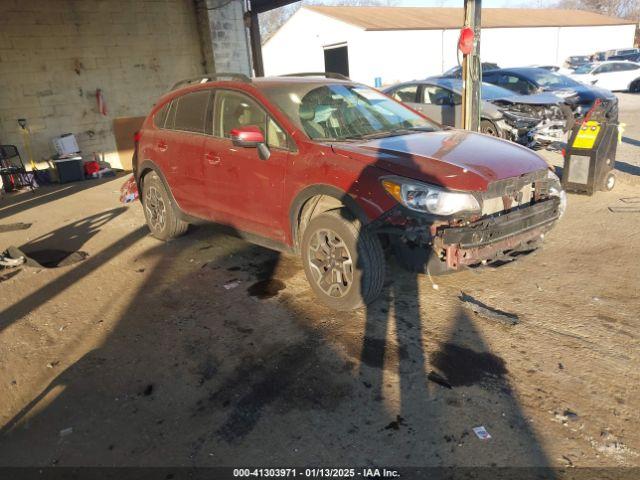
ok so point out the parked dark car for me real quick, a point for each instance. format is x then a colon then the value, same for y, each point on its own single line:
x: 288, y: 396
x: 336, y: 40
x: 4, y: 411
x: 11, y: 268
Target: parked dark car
x: 333, y: 170
x: 456, y: 72
x: 580, y: 97
x: 530, y: 120
x: 575, y: 61
x: 631, y: 57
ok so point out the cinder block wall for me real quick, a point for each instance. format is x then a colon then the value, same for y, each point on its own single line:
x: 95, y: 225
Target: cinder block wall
x: 54, y: 54
x: 229, y: 36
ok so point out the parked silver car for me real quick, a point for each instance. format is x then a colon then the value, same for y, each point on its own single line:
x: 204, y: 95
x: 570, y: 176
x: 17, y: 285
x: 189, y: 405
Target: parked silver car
x: 531, y: 120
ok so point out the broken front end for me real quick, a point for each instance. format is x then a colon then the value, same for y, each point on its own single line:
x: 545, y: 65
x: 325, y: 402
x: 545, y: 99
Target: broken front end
x: 534, y: 125
x: 507, y: 220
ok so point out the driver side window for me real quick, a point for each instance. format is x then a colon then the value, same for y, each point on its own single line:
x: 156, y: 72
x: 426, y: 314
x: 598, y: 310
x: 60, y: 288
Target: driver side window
x: 407, y: 93
x: 235, y: 110
x: 433, y: 95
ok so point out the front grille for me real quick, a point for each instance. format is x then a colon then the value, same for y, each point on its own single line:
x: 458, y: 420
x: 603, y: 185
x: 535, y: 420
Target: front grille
x: 511, y: 186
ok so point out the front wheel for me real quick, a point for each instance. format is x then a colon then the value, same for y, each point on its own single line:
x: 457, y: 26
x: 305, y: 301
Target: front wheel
x: 488, y: 128
x: 344, y: 263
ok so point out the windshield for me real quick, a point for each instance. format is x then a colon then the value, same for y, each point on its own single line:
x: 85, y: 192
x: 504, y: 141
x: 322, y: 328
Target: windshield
x: 586, y: 68
x: 491, y: 92
x: 341, y: 112
x: 547, y: 79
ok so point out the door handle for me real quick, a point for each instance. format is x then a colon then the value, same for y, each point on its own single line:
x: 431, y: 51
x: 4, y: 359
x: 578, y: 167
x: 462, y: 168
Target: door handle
x: 212, y: 159
x: 162, y: 146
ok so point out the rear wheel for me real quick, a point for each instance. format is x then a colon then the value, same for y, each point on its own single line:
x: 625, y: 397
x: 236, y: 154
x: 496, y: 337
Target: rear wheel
x: 343, y: 262
x: 489, y: 128
x: 162, y: 219
x: 635, y: 86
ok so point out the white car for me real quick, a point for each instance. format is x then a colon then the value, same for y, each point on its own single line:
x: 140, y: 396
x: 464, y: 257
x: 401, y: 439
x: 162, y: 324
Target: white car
x: 613, y: 75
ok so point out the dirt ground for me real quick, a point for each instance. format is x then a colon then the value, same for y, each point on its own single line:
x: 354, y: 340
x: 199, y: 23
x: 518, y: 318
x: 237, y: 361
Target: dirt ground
x: 211, y: 351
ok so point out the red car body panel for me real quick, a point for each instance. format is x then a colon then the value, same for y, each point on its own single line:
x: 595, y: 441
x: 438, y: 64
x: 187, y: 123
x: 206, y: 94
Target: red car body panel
x: 212, y: 179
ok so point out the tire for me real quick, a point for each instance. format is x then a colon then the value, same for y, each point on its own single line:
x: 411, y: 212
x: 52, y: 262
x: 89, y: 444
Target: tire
x: 343, y: 262
x: 489, y: 128
x: 162, y: 218
x: 635, y: 86
x: 609, y: 182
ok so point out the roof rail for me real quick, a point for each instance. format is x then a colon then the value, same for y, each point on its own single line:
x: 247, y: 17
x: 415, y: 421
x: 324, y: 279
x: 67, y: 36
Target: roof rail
x: 209, y: 77
x: 337, y: 76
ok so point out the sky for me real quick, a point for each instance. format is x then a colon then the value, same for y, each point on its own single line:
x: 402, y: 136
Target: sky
x: 485, y: 3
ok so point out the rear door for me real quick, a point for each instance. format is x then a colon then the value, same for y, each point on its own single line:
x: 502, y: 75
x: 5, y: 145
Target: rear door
x: 628, y: 72
x: 605, y: 76
x: 243, y: 190
x: 441, y: 104
x: 185, y: 141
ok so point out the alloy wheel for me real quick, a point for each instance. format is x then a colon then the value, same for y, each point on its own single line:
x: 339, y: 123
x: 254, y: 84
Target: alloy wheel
x: 330, y: 263
x: 156, y: 209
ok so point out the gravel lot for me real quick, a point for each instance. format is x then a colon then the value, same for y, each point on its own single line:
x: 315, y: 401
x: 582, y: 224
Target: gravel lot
x: 141, y: 355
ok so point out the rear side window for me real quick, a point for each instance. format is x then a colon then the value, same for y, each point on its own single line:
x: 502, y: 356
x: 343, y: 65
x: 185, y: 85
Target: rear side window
x: 191, y: 111
x: 622, y: 67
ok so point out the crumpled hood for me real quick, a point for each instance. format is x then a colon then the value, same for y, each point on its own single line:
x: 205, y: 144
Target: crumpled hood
x: 542, y: 98
x: 455, y: 159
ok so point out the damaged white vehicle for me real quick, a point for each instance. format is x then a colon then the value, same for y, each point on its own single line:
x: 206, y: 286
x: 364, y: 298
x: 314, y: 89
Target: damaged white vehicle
x: 531, y: 120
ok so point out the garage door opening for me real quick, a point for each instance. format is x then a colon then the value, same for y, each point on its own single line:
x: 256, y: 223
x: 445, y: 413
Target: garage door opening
x: 336, y: 59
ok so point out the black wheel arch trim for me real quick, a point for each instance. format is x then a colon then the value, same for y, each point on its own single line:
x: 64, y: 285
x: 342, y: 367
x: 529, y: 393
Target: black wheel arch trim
x: 150, y: 165
x: 321, y: 189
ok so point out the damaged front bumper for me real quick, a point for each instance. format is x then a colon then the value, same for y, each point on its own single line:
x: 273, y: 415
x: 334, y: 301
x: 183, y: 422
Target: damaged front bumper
x: 495, y: 237
x: 457, y: 244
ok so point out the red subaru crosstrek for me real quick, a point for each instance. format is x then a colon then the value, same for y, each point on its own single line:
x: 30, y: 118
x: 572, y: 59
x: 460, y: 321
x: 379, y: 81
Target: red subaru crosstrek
x: 336, y: 171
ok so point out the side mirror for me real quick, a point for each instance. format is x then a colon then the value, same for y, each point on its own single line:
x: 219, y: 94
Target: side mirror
x: 248, y: 137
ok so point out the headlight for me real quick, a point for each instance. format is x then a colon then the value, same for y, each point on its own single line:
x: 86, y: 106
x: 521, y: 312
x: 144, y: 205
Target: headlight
x: 518, y: 120
x: 556, y: 190
x: 429, y: 199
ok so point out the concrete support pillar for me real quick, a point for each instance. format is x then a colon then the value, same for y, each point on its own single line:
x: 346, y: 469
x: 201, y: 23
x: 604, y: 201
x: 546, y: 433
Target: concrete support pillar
x: 225, y: 37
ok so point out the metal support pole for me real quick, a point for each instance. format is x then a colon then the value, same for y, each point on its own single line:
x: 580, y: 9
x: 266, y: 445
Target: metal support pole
x: 256, y: 44
x: 472, y: 69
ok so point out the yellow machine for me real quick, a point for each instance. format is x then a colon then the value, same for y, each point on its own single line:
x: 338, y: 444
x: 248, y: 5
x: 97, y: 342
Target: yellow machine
x: 590, y: 157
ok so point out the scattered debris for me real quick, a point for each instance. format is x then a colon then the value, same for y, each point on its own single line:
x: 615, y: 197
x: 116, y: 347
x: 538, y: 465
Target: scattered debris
x: 489, y: 312
x: 66, y: 431
x: 53, y: 364
x: 148, y: 390
x: 439, y: 379
x: 9, y: 275
x: 568, y: 460
x: 11, y: 259
x: 570, y: 414
x: 395, y: 425
x: 266, y: 288
x: 129, y: 191
x: 11, y: 227
x: 624, y: 209
x: 565, y: 416
x: 560, y: 366
x: 481, y: 433
x: 231, y: 284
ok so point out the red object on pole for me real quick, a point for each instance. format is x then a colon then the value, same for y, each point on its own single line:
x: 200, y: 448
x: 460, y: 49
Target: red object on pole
x: 465, y: 42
